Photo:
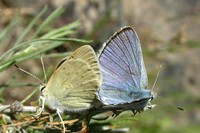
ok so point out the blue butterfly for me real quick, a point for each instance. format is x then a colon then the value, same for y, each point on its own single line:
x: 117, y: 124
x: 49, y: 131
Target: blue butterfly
x: 124, y: 77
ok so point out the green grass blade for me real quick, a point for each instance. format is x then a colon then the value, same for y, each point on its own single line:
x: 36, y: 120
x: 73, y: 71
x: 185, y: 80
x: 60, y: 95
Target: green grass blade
x: 39, y: 41
x: 51, y: 17
x: 5, y: 66
x: 2, y: 89
x: 5, y: 31
x: 30, y: 95
x: 62, y: 29
x: 59, y: 35
x: 30, y: 26
x: 43, y: 49
x: 18, y: 85
x: 65, y: 54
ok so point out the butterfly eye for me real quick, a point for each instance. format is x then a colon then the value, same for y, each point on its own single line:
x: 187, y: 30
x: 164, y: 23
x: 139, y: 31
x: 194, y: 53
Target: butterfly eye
x: 42, y: 88
x: 151, y: 98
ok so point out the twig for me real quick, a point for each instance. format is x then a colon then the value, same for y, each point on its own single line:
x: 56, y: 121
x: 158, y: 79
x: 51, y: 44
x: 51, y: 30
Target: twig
x: 31, y: 109
x: 65, y: 122
x: 6, y: 109
x: 31, y: 118
x: 21, y: 123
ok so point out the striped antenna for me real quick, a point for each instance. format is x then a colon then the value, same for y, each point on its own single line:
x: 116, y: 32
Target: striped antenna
x: 45, y: 76
x: 160, y: 96
x: 171, y: 103
x: 29, y: 74
x: 157, y: 76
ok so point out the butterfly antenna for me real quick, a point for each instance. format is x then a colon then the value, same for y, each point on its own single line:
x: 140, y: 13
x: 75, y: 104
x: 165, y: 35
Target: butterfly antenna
x: 157, y: 76
x: 29, y: 74
x: 170, y: 103
x: 45, y: 76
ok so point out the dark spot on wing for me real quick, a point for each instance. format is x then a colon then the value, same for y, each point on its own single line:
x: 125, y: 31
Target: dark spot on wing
x: 132, y: 73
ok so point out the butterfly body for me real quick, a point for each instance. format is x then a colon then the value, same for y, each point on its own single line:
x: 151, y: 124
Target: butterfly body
x: 123, y: 97
x: 124, y: 77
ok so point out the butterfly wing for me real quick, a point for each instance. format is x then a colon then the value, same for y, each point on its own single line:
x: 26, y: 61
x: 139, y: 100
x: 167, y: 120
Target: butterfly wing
x: 123, y: 70
x: 73, y: 85
x: 87, y: 54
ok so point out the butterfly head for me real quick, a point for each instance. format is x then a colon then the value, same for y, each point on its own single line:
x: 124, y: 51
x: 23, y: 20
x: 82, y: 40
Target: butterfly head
x: 153, y: 95
x: 42, y: 89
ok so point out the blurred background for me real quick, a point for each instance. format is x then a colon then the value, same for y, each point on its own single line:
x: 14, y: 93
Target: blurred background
x: 169, y: 34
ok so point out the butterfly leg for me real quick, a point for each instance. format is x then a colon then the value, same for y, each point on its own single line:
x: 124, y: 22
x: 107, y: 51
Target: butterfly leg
x: 149, y: 103
x: 43, y: 100
x: 150, y: 107
x: 61, y: 120
x: 134, y: 113
x: 116, y: 113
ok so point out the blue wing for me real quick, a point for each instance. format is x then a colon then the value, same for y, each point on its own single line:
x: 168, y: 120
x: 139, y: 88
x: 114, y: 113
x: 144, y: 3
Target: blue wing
x: 124, y: 77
